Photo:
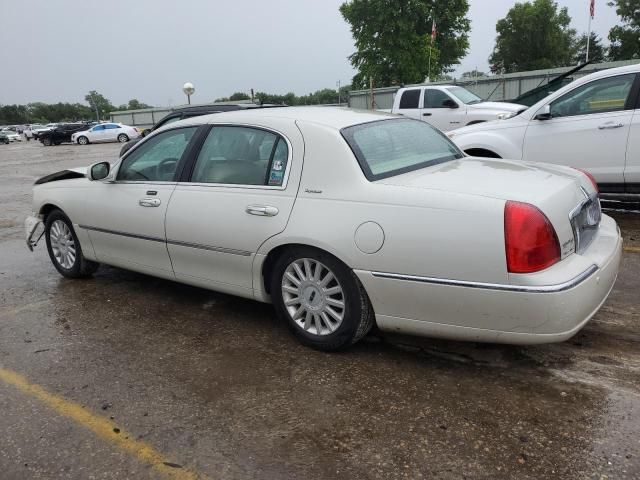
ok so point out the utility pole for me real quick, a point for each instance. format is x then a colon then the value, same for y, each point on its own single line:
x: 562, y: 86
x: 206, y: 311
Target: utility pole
x: 339, y: 97
x: 95, y: 105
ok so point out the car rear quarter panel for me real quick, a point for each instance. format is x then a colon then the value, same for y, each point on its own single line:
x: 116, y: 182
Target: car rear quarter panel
x: 426, y: 232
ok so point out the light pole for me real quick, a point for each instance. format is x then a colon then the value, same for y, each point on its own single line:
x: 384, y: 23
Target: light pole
x: 188, y: 90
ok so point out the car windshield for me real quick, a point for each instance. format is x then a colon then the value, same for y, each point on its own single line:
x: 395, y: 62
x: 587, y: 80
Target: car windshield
x: 464, y: 95
x: 386, y: 148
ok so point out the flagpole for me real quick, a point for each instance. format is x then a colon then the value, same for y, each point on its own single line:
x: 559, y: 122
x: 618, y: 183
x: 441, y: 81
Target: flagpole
x: 591, y: 11
x: 588, y: 39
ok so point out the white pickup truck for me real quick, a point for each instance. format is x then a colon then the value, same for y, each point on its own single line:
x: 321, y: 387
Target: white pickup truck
x: 447, y: 107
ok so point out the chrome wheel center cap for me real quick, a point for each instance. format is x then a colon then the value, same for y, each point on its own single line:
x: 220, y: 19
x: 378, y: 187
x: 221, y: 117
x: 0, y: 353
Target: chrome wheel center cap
x: 313, y: 297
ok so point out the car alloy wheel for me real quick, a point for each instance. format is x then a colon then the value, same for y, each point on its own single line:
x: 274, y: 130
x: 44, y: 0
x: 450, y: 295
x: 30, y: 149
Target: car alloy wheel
x: 122, y: 138
x: 83, y: 140
x: 63, y: 245
x: 313, y: 296
x: 46, y: 142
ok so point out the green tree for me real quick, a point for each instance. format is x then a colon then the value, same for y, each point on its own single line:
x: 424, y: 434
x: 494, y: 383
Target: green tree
x: 625, y: 38
x: 393, y: 39
x: 597, y: 50
x: 98, y: 102
x: 534, y: 35
x: 473, y: 74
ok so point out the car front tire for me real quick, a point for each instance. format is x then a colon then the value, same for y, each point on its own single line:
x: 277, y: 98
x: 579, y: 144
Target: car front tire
x: 83, y: 140
x: 320, y: 298
x: 64, y: 248
x: 123, y: 138
x: 47, y: 142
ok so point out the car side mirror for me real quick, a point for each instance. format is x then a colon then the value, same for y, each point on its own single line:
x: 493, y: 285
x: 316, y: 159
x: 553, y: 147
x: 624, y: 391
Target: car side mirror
x: 544, y: 113
x: 99, y: 171
x: 449, y: 103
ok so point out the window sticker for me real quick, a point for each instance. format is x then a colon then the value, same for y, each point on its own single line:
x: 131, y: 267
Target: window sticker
x: 275, y: 177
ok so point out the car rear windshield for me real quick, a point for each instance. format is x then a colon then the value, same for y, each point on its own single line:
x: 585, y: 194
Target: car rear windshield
x: 386, y: 148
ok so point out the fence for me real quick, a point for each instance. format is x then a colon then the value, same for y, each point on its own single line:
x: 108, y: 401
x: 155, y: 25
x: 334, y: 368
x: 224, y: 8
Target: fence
x: 494, y: 88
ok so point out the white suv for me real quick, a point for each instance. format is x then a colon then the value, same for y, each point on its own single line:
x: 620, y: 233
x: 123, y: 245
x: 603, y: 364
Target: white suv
x: 592, y: 124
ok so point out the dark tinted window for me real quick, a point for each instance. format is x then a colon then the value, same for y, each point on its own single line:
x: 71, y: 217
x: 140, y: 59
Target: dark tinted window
x: 410, y: 98
x: 392, y: 147
x: 434, y: 98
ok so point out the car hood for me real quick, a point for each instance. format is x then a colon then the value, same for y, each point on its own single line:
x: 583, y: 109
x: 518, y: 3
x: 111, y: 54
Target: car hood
x: 497, y: 106
x: 79, y: 132
x: 68, y: 174
x: 528, y: 182
x: 513, y: 122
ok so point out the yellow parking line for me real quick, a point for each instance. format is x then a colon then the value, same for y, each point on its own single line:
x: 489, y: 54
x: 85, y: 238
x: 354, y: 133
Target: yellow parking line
x: 632, y: 249
x: 102, y: 427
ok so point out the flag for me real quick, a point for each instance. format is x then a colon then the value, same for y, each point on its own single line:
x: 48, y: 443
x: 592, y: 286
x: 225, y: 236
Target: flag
x: 592, y: 9
x: 434, y: 31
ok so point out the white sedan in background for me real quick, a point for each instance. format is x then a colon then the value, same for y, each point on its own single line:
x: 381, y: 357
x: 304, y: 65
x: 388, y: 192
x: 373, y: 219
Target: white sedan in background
x: 342, y: 219
x: 593, y: 123
x: 105, y: 132
x: 12, y: 136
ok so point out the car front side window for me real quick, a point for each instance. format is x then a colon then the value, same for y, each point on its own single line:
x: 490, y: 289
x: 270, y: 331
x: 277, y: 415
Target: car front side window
x: 241, y: 156
x: 157, y: 158
x: 600, y: 96
x: 435, y: 98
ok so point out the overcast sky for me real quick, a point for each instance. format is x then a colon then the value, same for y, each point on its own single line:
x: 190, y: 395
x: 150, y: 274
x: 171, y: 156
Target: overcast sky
x: 146, y: 49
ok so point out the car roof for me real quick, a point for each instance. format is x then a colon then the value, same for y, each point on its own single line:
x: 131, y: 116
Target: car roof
x: 335, y: 117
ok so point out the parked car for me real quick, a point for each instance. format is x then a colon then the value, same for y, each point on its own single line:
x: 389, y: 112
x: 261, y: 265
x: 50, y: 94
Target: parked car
x: 387, y: 222
x: 4, y: 138
x: 45, y: 128
x: 105, y: 132
x: 449, y: 106
x: 11, y: 136
x: 61, y: 134
x: 190, y: 112
x: 593, y: 123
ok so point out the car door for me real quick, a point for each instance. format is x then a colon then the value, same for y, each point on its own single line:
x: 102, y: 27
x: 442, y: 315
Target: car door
x: 410, y: 101
x: 97, y: 134
x: 632, y: 165
x: 438, y: 112
x: 588, y: 129
x: 111, y: 132
x: 240, y: 193
x: 125, y: 215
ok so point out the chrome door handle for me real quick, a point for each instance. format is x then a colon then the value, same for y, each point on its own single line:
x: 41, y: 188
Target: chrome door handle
x: 608, y: 126
x: 149, y: 202
x: 262, y: 210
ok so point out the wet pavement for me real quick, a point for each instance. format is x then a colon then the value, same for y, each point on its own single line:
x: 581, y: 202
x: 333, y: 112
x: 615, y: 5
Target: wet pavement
x: 218, y: 388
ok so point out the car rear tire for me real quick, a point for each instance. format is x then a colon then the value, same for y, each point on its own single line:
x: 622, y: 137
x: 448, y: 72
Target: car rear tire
x: 123, y: 138
x: 64, y: 248
x: 47, y: 142
x: 83, y: 140
x: 320, y: 298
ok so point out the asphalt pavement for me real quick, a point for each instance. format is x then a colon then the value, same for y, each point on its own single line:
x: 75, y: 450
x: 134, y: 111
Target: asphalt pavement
x: 128, y: 376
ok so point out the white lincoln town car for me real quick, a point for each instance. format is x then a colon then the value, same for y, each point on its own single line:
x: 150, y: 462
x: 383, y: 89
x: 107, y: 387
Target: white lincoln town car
x: 342, y: 219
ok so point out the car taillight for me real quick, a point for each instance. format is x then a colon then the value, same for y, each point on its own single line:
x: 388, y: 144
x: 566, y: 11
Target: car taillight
x: 531, y: 243
x: 590, y: 177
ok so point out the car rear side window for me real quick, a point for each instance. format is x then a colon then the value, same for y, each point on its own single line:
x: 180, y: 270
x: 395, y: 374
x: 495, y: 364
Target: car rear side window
x: 410, y: 98
x: 391, y: 147
x: 241, y: 156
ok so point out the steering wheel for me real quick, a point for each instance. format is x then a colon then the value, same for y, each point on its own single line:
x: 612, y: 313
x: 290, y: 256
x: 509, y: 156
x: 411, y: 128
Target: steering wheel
x: 166, y: 167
